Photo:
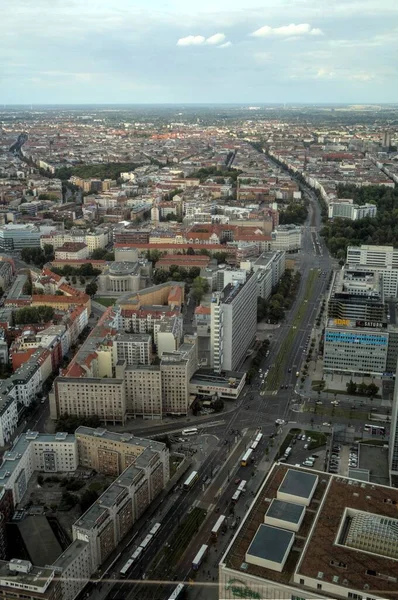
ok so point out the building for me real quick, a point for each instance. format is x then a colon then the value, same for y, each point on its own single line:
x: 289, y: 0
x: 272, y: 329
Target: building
x: 33, y: 451
x: 357, y: 294
x: 381, y: 259
x: 312, y: 535
x: 144, y: 391
x: 345, y: 209
x: 121, y: 277
x: 72, y: 251
x: 355, y: 349
x: 393, y: 444
x: 20, y: 580
x: 207, y: 385
x: 15, y: 237
x: 6, y: 273
x: 268, y: 268
x: 176, y: 370
x: 286, y: 237
x: 134, y: 348
x: 233, y: 324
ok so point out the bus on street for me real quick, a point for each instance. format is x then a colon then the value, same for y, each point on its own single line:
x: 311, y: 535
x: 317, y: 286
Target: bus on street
x: 188, y: 483
x: 197, y: 561
x: 190, y: 431
x: 242, y: 486
x: 146, y: 541
x: 236, y: 496
x: 176, y: 593
x: 246, y: 458
x: 218, y: 526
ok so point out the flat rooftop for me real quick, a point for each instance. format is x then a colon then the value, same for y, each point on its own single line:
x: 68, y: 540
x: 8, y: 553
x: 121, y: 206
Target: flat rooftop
x: 271, y: 543
x: 316, y: 553
x: 298, y: 483
x: 285, y: 511
x: 127, y: 438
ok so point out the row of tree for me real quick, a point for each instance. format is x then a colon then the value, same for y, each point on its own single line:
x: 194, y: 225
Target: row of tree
x: 176, y: 273
x: 97, y: 171
x: 69, y: 423
x: 86, y: 270
x: 295, y: 212
x: 33, y: 314
x: 362, y: 389
x: 281, y: 298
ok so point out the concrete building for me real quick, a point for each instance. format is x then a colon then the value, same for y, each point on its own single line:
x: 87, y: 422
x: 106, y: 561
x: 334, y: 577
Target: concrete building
x: 355, y: 350
x: 176, y: 370
x: 14, y: 238
x: 393, y: 444
x: 233, y: 324
x: 73, y: 569
x: 144, y: 392
x: 134, y: 348
x: 357, y: 294
x: 168, y: 333
x: 286, y: 237
x: 6, y: 273
x: 33, y: 451
x: 381, y: 259
x: 211, y: 386
x: 345, y: 209
x: 268, y: 268
x: 20, y: 580
x: 312, y: 535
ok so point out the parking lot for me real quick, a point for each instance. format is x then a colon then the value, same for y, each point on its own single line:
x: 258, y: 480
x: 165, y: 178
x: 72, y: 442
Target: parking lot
x: 342, y: 458
x: 300, y: 454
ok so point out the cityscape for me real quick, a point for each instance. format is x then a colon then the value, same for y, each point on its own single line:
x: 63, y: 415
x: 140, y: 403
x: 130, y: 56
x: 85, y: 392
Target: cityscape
x: 198, y: 300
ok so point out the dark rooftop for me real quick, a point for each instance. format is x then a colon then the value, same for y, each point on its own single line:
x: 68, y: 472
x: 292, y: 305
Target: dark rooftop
x: 298, y: 483
x: 285, y: 511
x: 270, y: 543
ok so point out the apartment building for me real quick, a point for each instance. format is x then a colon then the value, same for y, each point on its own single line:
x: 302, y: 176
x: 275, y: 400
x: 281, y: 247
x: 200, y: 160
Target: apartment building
x: 380, y: 259
x: 268, y: 268
x: 94, y: 240
x: 286, y: 237
x: 393, y: 444
x: 33, y: 451
x: 72, y: 251
x: 73, y: 569
x: 345, y: 209
x: 168, y: 333
x: 111, y: 453
x: 144, y: 391
x: 176, y: 370
x: 233, y: 324
x: 314, y: 535
x: 134, y: 348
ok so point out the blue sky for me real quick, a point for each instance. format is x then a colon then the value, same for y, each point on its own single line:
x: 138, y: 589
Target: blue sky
x: 149, y: 51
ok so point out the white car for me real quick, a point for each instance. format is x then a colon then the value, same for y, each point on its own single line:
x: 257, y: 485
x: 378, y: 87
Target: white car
x: 305, y: 446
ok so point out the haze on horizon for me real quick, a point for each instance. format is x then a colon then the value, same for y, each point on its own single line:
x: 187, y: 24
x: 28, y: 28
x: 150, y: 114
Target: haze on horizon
x: 94, y: 51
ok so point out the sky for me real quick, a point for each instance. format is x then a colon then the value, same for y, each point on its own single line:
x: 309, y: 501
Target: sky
x: 208, y: 51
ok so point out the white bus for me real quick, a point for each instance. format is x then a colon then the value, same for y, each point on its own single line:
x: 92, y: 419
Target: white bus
x: 176, y: 592
x: 197, y: 561
x: 218, y: 525
x: 242, y: 486
x: 188, y: 483
x: 126, y: 568
x: 190, y: 431
x: 254, y: 445
x: 246, y: 458
x: 155, y: 529
x: 146, y: 541
x: 236, y: 496
x: 257, y: 439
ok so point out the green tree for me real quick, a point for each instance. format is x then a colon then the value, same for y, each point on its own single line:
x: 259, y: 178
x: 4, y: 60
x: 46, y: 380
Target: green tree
x: 91, y: 288
x: 88, y: 498
x: 351, y: 387
x: 218, y: 405
x: 372, y: 390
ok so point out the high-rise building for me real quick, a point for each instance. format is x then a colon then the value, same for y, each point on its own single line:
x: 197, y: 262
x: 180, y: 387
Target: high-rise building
x: 233, y: 324
x: 393, y: 446
x: 381, y: 259
x: 386, y: 139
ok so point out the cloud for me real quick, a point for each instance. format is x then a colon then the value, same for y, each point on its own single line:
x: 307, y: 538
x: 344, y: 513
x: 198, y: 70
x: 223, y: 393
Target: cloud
x: 287, y: 31
x: 216, y: 39
x: 191, y: 40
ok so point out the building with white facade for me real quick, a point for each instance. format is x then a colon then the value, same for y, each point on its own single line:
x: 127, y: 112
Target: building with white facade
x: 381, y: 259
x: 286, y: 237
x: 134, y: 348
x: 233, y: 324
x: 15, y: 237
x: 34, y: 451
x: 268, y: 268
x: 345, y: 209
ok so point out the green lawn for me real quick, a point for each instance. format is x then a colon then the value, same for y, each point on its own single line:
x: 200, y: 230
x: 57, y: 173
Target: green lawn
x: 317, y: 439
x: 273, y: 380
x: 105, y: 301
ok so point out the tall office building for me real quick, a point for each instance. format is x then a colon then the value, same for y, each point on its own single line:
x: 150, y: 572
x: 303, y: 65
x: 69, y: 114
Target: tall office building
x: 233, y: 324
x: 393, y: 446
x: 381, y: 259
x: 386, y: 139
